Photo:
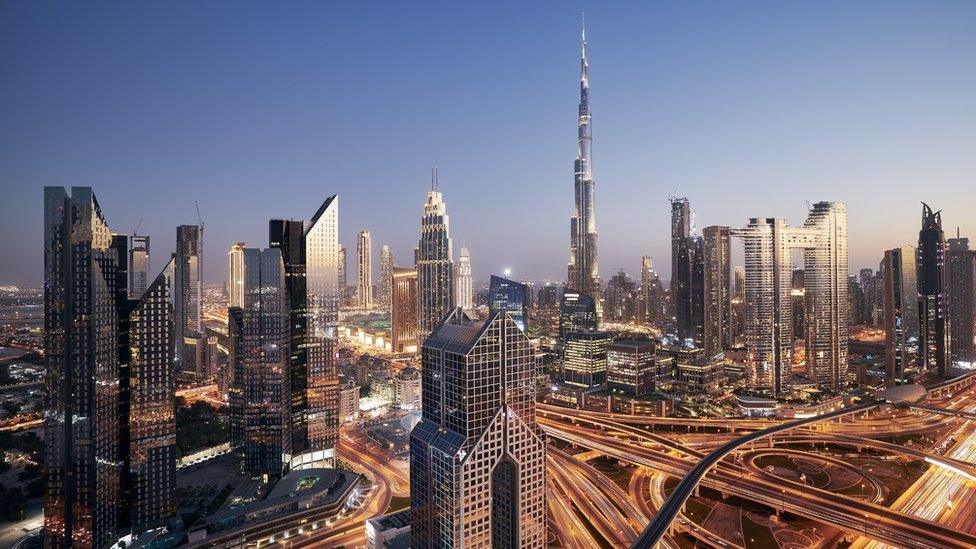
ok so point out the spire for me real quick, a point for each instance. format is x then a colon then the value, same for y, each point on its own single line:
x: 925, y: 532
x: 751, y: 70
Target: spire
x: 584, y: 66
x: 433, y: 178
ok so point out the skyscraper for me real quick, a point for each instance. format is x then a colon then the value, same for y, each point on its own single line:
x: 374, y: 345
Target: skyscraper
x: 717, y: 289
x: 583, y: 272
x: 825, y: 304
x: 577, y: 313
x: 478, y: 457
x: 343, y: 278
x: 622, y: 298
x: 652, y: 294
x: 631, y: 367
x: 900, y: 311
x: 738, y: 304
x: 386, y: 277
x: 364, y: 284
x: 961, y: 278
x: 585, y: 358
x: 235, y: 279
x: 82, y: 464
x: 149, y: 415
x: 934, y: 329
x: 687, y: 276
x: 138, y: 265
x: 261, y: 380
x: 188, y: 291
x: 509, y: 296
x: 435, y: 270
x: 403, y: 312
x: 462, y: 282
x: 321, y: 241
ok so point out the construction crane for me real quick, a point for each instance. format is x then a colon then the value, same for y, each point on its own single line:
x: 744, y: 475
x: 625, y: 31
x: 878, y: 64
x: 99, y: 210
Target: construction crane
x: 136, y: 230
x: 199, y: 219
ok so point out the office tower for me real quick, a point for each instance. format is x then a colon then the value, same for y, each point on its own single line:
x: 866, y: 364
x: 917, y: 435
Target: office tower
x: 235, y: 375
x: 717, y: 289
x: 343, y: 280
x: 585, y: 358
x: 477, y: 457
x: 321, y: 243
x: 583, y: 272
x: 260, y: 403
x: 577, y: 313
x: 933, y: 322
x: 621, y: 298
x: 149, y: 415
x: 235, y: 278
x: 138, y: 265
x: 651, y: 294
x: 855, y: 301
x: 386, y: 277
x: 868, y: 283
x: 187, y: 292
x: 768, y: 307
x: 961, y: 278
x: 900, y: 292
x: 631, y: 367
x: 435, y: 270
x: 288, y: 236
x: 511, y: 297
x: 403, y: 313
x: 82, y: 427
x: 825, y: 294
x: 548, y: 297
x: 364, y: 280
x: 687, y: 276
x: 738, y: 304
x: 463, y: 283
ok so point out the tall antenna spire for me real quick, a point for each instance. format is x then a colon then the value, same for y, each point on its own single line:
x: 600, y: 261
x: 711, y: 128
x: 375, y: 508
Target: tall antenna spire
x: 433, y: 178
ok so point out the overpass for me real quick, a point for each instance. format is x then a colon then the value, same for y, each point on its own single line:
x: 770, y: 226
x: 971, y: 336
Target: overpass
x: 946, y: 411
x: 654, y: 531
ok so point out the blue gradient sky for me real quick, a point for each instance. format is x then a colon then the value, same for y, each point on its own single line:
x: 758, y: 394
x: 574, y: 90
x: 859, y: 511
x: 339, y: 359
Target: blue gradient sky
x: 260, y: 111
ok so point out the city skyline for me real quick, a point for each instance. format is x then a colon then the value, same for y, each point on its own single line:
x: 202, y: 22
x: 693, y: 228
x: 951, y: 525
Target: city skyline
x: 767, y: 131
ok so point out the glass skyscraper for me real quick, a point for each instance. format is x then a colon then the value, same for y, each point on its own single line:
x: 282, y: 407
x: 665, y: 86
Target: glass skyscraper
x: 900, y: 312
x: 934, y: 332
x: 577, y: 312
x: 138, y: 265
x: 509, y: 296
x: 478, y: 457
x: 435, y: 270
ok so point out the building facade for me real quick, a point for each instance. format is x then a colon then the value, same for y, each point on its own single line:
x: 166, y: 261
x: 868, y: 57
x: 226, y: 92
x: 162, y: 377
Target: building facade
x: 188, y: 292
x: 961, y: 279
x: 631, y: 367
x: 933, y: 322
x: 435, y: 269
x: 577, y: 313
x: 403, y: 316
x: 386, y: 278
x: 139, y: 265
x: 717, y: 247
x: 463, y: 282
x: 509, y: 296
x: 364, y: 276
x: 235, y: 275
x: 585, y: 358
x: 478, y: 457
x: 900, y: 312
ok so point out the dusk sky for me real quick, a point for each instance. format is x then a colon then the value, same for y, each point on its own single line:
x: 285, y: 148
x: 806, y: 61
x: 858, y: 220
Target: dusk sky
x: 263, y: 110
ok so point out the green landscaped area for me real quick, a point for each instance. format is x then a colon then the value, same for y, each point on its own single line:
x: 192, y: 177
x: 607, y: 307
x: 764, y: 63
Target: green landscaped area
x: 757, y: 536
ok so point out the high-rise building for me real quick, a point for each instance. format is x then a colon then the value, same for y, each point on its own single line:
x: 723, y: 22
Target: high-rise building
x: 110, y: 433
x: 188, y: 291
x: 235, y: 278
x: 386, y: 277
x: 548, y: 297
x: 687, y: 276
x: 463, y: 284
x: 868, y: 282
x: 961, y: 278
x: 82, y: 433
x: 622, y: 298
x: 738, y: 304
x: 631, y: 367
x: 717, y: 249
x: 149, y: 415
x: 825, y: 303
x: 343, y: 278
x: 403, y: 313
x: 138, y: 265
x: 900, y: 311
x: 364, y: 285
x: 585, y: 358
x: 653, y: 309
x: 798, y: 295
x: 509, y: 296
x: 583, y: 271
x: 261, y: 380
x: 435, y: 269
x: 577, y: 313
x: 321, y: 242
x: 478, y: 457
x: 934, y: 325
x: 769, y: 243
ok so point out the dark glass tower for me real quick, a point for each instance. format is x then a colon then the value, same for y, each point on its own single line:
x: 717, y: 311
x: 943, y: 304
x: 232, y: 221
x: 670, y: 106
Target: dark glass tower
x: 478, y: 457
x: 934, y: 347
x: 511, y: 297
x: 717, y: 289
x: 577, y: 313
x: 961, y: 277
x: 687, y: 276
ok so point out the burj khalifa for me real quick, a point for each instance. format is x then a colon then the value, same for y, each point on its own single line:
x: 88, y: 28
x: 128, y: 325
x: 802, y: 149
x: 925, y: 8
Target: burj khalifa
x: 584, y: 274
